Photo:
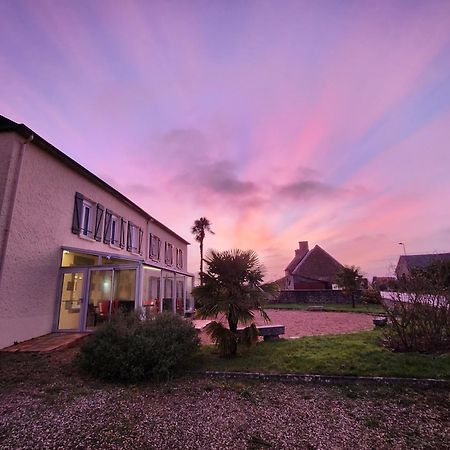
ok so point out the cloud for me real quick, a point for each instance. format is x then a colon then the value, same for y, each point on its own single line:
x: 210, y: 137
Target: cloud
x: 306, y: 190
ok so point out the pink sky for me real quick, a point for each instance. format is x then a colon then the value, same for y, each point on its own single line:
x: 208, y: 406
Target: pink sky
x: 280, y: 122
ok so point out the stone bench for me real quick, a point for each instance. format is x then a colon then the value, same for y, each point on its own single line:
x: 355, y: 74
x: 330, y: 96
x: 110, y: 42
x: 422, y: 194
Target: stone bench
x: 268, y: 332
x: 315, y: 308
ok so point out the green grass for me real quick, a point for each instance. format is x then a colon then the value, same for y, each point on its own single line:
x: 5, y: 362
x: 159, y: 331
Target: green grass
x: 350, y: 354
x: 359, y: 308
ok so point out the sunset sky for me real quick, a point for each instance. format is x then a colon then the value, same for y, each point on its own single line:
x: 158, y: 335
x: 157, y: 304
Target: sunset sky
x: 279, y: 121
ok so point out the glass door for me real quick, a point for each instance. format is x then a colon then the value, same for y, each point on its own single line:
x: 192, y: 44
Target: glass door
x: 71, y: 299
x: 100, y: 304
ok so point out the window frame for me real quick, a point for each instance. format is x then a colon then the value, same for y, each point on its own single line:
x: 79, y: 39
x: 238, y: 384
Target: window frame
x: 154, y: 240
x: 179, y: 258
x: 88, y: 232
x: 168, y: 257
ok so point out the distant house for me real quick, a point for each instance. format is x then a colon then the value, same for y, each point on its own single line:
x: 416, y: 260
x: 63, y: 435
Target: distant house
x: 406, y: 263
x: 310, y: 269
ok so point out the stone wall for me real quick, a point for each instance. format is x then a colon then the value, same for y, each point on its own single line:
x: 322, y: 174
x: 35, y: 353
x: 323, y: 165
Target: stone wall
x: 313, y: 297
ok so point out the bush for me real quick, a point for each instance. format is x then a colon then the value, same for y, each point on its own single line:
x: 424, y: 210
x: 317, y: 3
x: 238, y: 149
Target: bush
x: 420, y: 313
x: 371, y: 297
x: 130, y: 349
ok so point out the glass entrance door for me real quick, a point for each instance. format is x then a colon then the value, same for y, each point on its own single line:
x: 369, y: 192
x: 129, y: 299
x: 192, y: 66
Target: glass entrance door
x: 71, y: 299
x: 100, y: 305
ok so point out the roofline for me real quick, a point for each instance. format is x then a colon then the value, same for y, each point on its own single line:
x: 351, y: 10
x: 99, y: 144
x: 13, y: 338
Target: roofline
x: 21, y: 129
x: 309, y: 253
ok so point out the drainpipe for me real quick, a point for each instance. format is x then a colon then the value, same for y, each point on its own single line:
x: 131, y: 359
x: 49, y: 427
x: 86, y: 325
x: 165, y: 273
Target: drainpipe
x: 13, y: 195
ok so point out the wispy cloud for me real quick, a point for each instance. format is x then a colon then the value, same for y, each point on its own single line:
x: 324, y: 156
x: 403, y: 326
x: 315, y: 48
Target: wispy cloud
x: 325, y: 121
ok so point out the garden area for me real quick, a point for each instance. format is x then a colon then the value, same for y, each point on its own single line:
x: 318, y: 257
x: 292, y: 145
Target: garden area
x: 46, y: 402
x: 143, y: 382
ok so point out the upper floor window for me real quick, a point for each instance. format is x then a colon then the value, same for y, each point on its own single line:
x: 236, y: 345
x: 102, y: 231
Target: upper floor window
x: 134, y: 238
x: 87, y: 220
x: 179, y: 258
x: 168, y: 253
x: 114, y: 230
x: 154, y: 247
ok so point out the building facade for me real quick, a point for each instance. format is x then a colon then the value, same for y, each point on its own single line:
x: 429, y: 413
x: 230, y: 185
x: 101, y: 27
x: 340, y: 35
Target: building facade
x: 313, y: 269
x: 408, y: 263
x: 73, y: 250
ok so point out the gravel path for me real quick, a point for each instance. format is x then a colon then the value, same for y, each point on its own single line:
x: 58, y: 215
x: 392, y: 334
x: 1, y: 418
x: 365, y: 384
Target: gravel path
x: 204, y: 414
x: 46, y: 404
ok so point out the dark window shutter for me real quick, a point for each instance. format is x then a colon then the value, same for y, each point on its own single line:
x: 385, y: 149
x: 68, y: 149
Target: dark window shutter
x: 98, y: 222
x: 129, y: 237
x: 150, y: 246
x: 77, y: 213
x: 141, y: 235
x: 122, y: 232
x: 108, y: 218
x: 159, y: 249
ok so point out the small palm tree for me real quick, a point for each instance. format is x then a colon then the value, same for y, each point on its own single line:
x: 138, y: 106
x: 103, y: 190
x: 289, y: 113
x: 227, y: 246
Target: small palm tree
x: 199, y: 229
x: 349, y: 279
x: 233, y: 287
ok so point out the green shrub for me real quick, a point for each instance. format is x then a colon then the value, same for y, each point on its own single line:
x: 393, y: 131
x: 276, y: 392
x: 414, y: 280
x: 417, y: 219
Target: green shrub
x: 130, y: 349
x: 371, y: 297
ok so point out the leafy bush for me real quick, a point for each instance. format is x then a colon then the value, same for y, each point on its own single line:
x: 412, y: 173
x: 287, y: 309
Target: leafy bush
x: 420, y: 313
x: 131, y: 349
x: 371, y: 297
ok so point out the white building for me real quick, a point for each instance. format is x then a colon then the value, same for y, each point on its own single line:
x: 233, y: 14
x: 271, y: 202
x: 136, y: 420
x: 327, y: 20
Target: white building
x: 73, y: 250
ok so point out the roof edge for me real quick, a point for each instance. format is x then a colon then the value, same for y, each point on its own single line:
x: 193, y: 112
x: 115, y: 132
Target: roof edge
x: 7, y: 125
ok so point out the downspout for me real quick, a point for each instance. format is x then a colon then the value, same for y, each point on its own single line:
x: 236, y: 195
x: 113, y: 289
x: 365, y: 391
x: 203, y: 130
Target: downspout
x: 12, y: 202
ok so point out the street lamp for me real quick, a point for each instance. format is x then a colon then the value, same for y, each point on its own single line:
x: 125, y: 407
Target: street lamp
x: 404, y: 249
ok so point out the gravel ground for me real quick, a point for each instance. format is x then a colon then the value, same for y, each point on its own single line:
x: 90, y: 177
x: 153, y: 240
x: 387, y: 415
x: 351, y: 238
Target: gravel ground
x: 310, y: 323
x: 46, y: 404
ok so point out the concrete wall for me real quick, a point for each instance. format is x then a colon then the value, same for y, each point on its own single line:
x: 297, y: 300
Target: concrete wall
x: 41, y: 224
x: 314, y: 297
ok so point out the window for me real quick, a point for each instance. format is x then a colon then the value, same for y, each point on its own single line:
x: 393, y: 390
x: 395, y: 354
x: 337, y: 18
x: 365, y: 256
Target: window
x: 179, y: 259
x: 154, y: 247
x: 115, y: 231
x: 86, y: 219
x: 168, y: 253
x: 113, y: 227
x: 134, y: 239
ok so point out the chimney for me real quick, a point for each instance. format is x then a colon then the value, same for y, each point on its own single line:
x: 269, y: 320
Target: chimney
x: 303, y: 249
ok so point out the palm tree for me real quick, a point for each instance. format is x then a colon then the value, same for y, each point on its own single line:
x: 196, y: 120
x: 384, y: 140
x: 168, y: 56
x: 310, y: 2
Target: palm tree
x: 199, y: 229
x: 233, y: 287
x: 349, y: 279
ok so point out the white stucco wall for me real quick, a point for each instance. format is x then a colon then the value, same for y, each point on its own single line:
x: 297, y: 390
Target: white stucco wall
x: 41, y: 224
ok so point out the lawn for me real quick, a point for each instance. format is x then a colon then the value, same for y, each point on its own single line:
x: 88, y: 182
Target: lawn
x: 348, y: 354
x: 337, y: 307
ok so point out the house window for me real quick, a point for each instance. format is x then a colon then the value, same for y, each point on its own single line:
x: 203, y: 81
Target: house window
x: 154, y: 247
x: 168, y: 253
x: 134, y: 239
x: 179, y: 258
x: 86, y: 219
x: 114, y: 231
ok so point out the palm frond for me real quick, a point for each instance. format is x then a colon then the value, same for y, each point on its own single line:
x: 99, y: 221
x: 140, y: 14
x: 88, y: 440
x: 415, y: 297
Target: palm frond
x: 225, y: 340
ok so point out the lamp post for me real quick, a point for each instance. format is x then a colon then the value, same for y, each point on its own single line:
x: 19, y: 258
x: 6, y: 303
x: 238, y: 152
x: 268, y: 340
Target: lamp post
x: 404, y: 248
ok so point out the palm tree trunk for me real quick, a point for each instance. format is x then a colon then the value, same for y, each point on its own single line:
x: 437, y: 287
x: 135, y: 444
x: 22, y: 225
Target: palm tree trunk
x: 201, y: 262
x: 232, y: 325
